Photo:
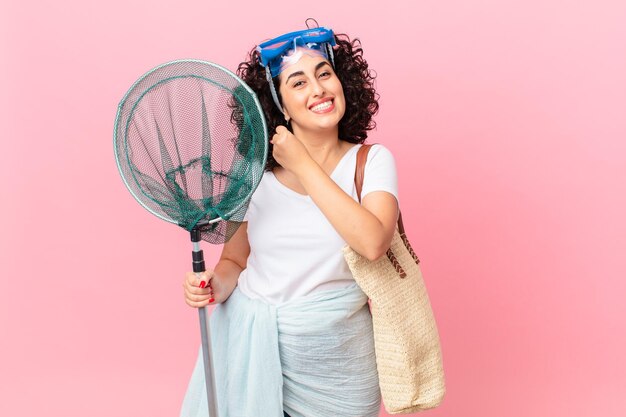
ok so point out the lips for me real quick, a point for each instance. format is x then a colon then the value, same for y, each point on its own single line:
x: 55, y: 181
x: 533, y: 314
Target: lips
x: 322, y: 106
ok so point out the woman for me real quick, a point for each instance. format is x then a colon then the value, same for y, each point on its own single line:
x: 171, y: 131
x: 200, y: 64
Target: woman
x: 292, y: 332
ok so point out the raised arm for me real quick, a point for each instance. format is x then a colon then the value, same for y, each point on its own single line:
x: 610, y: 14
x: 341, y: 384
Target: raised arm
x: 367, y: 228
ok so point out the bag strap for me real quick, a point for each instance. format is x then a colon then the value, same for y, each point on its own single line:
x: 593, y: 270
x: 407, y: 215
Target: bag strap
x: 359, y: 175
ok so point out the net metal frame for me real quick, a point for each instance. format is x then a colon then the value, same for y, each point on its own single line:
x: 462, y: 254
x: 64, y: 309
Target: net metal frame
x: 116, y: 139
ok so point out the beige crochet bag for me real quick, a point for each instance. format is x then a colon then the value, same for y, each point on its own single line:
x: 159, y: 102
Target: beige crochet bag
x: 408, y: 354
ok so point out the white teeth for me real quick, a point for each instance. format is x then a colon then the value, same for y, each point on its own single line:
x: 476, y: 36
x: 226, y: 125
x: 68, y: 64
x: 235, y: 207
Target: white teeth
x: 322, y: 106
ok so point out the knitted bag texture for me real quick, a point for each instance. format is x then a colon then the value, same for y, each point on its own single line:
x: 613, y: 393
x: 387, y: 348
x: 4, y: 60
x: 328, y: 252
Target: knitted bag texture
x: 408, y: 352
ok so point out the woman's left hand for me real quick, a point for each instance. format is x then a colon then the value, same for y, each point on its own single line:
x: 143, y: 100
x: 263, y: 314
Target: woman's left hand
x: 289, y: 152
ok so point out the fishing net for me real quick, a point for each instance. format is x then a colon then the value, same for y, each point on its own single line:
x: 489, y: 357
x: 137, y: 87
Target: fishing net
x: 191, y: 145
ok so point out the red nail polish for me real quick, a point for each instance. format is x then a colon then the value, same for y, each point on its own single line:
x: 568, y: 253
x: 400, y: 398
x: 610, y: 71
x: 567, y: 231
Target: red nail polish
x: 211, y: 300
x: 202, y: 284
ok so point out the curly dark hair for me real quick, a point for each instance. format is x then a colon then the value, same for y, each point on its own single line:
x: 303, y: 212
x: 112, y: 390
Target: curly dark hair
x: 356, y: 79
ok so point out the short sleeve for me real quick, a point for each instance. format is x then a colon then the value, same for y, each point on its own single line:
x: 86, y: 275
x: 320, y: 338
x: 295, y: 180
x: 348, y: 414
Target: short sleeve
x: 250, y: 209
x: 380, y: 172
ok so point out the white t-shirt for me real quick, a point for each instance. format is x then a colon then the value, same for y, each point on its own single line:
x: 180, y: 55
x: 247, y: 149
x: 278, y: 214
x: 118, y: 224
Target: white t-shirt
x: 294, y: 250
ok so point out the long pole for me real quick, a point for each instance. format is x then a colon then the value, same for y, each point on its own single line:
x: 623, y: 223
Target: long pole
x: 205, y: 330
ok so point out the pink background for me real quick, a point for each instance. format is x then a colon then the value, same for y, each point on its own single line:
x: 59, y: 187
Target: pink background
x: 508, y: 122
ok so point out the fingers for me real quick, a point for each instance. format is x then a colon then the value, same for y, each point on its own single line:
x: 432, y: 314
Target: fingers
x: 198, y: 297
x: 199, y: 280
x: 281, y: 134
x: 198, y: 304
x: 197, y: 289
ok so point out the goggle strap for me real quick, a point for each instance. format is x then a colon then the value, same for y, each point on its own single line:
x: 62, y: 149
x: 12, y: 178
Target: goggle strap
x: 331, y: 55
x: 268, y: 76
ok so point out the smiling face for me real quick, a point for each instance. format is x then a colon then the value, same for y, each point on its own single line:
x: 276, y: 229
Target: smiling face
x: 312, y: 95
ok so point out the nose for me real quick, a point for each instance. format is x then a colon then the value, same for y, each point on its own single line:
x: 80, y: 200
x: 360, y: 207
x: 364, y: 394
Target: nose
x: 317, y: 88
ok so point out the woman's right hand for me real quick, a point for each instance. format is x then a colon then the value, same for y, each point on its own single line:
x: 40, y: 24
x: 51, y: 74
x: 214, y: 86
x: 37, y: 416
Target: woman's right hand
x: 214, y: 291
x: 220, y: 283
x: 198, y: 289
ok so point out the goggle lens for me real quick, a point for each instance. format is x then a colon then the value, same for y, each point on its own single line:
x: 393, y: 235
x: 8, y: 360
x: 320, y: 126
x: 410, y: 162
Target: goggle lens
x: 273, y: 51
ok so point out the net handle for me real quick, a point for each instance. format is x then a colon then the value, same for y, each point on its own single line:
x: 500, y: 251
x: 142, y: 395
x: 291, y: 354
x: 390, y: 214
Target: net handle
x: 205, y: 329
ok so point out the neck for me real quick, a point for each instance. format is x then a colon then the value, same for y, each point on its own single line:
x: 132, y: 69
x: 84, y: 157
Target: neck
x: 323, y: 146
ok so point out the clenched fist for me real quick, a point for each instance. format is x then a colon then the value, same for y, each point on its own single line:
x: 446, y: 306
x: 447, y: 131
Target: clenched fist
x: 288, y: 151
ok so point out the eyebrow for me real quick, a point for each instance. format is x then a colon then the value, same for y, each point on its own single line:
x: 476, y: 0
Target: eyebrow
x: 297, y: 73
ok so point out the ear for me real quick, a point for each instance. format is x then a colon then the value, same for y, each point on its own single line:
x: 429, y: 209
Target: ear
x: 286, y: 113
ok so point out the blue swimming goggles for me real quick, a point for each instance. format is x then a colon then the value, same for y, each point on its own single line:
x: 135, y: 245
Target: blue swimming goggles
x: 277, y: 53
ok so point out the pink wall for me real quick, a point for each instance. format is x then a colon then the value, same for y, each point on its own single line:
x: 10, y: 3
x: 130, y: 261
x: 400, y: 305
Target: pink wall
x: 508, y: 122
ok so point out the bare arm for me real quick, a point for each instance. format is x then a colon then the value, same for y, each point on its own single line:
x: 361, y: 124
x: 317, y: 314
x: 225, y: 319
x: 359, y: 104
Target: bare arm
x: 220, y: 282
x: 367, y: 228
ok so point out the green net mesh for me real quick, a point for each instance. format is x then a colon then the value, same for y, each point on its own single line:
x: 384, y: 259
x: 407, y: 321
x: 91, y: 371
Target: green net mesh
x: 191, y: 144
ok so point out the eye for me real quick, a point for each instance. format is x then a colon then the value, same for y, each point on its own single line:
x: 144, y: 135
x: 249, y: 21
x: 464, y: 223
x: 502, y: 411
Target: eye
x: 325, y: 74
x: 298, y: 84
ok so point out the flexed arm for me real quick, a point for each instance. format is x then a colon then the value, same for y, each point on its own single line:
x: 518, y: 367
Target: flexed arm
x: 367, y: 228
